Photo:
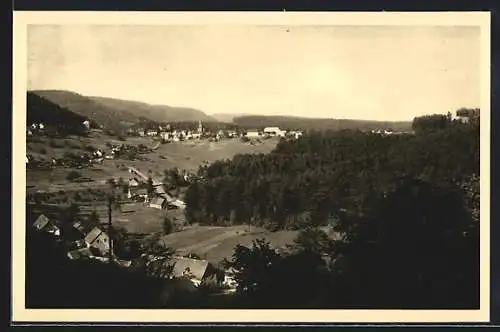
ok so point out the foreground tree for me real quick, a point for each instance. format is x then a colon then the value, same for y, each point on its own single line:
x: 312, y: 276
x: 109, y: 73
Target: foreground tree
x: 267, y: 279
x: 418, y: 249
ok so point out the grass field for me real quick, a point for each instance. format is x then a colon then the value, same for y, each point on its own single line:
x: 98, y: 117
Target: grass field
x: 215, y: 243
x: 188, y: 155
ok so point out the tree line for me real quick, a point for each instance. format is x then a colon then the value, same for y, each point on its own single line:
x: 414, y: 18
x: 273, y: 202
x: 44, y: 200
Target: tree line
x: 310, y: 181
x: 406, y: 222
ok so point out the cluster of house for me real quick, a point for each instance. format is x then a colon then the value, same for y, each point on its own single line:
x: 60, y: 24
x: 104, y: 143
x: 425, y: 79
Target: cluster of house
x: 466, y: 115
x: 198, y: 271
x: 180, y: 135
x: 273, y: 132
x: 39, y: 127
x: 35, y: 127
x: 96, y: 245
x: 167, y: 134
x: 382, y: 131
x: 93, y: 244
x: 158, y: 199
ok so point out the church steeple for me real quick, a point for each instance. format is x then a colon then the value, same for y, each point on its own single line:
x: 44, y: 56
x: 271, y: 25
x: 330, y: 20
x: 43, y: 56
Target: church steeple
x: 200, y: 127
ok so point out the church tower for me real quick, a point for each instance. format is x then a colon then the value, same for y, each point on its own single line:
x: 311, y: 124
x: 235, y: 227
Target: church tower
x: 200, y: 127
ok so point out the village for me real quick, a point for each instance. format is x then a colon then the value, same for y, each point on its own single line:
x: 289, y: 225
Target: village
x: 97, y: 243
x: 143, y: 188
x: 141, y: 191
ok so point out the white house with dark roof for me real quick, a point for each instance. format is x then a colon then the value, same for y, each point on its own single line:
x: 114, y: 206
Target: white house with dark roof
x: 158, y: 203
x: 253, y: 134
x: 197, y: 270
x: 44, y: 224
x: 98, y: 239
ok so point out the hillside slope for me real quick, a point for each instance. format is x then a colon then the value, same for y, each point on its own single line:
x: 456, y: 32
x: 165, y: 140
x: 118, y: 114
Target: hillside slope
x: 115, y: 113
x: 159, y: 113
x: 107, y: 116
x: 291, y: 122
x: 41, y: 110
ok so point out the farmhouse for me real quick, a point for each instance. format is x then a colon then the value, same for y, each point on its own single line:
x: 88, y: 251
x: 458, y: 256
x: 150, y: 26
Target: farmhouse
x: 295, y: 134
x: 273, y: 131
x: 134, y: 182
x: 135, y: 192
x: 165, y: 135
x: 152, y: 133
x: 98, y: 239
x: 176, y: 203
x: 98, y: 153
x: 463, y: 118
x: 158, y: 203
x: 44, y: 224
x: 80, y: 253
x: 197, y: 270
x: 77, y: 226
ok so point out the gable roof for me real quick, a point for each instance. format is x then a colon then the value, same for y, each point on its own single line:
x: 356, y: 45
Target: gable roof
x: 41, y: 222
x: 138, y: 191
x: 132, y: 180
x: 78, y: 226
x: 93, y: 235
x: 160, y: 190
x: 196, y: 267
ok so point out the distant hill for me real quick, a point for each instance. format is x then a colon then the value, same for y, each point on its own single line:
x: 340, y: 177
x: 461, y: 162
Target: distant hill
x: 117, y: 114
x: 41, y: 110
x: 227, y: 117
x: 293, y: 123
x: 84, y: 106
x: 159, y: 113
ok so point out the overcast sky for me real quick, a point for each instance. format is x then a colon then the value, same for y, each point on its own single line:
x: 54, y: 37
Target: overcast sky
x: 379, y: 73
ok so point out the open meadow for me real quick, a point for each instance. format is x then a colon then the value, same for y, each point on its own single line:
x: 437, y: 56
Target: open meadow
x: 216, y: 243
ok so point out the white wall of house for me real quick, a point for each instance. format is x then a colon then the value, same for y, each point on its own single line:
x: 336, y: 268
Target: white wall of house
x: 253, y: 134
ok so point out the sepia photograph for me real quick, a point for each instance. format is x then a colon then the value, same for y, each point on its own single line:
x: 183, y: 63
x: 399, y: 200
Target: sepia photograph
x: 270, y: 162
